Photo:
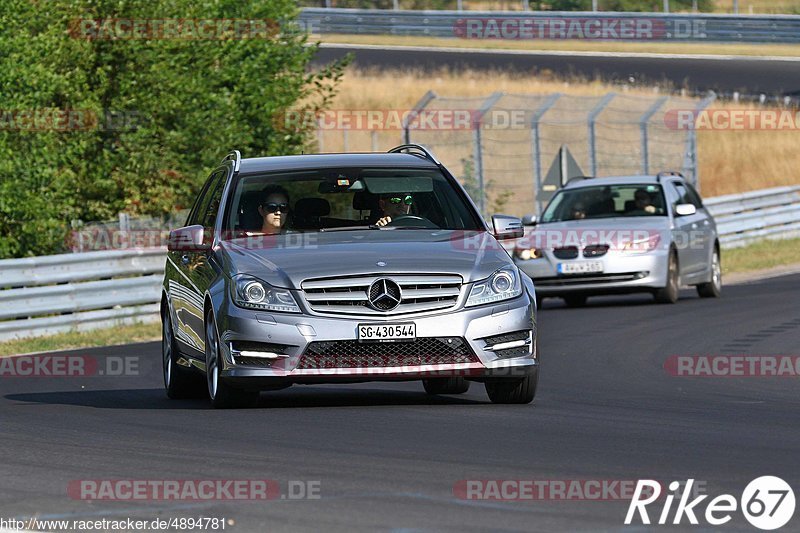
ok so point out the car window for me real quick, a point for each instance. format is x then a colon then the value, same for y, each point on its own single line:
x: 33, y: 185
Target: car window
x: 686, y: 195
x: 606, y: 201
x: 211, y: 190
x: 327, y: 199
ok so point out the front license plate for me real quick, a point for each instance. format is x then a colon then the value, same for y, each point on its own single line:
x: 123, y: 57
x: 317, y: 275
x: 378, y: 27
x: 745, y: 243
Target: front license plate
x: 580, y: 267
x: 386, y: 332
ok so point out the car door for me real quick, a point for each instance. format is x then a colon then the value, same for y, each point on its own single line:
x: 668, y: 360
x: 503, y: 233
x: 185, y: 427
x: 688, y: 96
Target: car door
x: 187, y: 289
x: 690, y: 234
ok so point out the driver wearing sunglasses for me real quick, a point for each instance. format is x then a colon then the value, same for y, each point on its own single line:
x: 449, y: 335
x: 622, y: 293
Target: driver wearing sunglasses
x: 274, y: 210
x: 393, y: 205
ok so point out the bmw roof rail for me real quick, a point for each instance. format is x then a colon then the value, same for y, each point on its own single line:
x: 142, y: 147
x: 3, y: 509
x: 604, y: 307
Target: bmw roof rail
x: 415, y: 149
x: 668, y: 174
x: 236, y: 157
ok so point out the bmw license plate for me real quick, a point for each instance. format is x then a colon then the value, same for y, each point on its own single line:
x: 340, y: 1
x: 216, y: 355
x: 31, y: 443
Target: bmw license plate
x: 580, y: 267
x: 386, y: 332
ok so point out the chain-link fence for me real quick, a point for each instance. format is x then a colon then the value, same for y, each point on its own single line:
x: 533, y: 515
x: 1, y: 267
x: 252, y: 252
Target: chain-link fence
x: 510, y: 150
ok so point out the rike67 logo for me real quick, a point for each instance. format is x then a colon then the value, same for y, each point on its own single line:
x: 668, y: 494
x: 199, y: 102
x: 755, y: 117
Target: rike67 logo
x: 767, y: 503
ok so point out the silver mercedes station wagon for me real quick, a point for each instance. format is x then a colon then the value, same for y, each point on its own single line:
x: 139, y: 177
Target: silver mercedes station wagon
x: 341, y: 268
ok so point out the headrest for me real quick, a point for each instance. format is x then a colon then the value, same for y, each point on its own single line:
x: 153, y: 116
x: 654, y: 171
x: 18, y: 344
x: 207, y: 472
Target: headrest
x: 364, y: 201
x: 312, y: 207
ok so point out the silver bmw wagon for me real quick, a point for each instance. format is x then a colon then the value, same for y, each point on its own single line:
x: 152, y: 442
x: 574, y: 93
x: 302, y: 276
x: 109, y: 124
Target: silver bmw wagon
x: 340, y: 268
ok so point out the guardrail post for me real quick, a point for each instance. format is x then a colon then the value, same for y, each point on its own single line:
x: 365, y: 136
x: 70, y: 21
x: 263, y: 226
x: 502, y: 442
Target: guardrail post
x: 536, y: 148
x: 422, y: 104
x: 592, y: 121
x: 644, y: 126
x: 477, y: 152
x: 690, y: 155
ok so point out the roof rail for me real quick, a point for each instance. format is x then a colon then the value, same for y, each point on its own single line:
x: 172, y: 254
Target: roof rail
x: 415, y: 149
x: 236, y: 157
x: 669, y: 173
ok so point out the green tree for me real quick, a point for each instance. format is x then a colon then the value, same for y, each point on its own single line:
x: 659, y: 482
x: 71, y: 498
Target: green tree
x: 168, y: 109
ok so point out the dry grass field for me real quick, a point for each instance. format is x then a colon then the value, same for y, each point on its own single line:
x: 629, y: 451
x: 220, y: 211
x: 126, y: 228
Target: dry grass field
x: 729, y: 161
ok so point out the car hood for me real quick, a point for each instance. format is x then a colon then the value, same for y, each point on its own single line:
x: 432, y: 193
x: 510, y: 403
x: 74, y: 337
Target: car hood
x: 287, y: 260
x: 611, y: 231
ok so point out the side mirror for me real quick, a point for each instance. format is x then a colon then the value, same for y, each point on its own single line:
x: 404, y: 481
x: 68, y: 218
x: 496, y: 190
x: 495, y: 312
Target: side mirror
x: 506, y: 227
x: 685, y: 210
x: 188, y: 239
x: 530, y: 220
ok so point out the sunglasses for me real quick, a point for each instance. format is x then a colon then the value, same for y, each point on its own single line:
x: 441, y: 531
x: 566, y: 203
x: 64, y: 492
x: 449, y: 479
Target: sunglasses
x: 274, y: 208
x: 397, y: 200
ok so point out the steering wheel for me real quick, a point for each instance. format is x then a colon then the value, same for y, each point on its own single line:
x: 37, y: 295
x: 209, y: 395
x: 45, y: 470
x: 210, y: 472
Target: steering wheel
x: 411, y: 220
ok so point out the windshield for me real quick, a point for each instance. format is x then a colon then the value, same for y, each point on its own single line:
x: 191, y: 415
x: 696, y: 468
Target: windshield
x: 344, y: 199
x: 608, y: 201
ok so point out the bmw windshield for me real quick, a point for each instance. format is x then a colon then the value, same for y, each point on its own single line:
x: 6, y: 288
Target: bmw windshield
x: 608, y: 201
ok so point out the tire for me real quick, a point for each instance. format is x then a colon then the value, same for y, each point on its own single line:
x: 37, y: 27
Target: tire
x: 179, y: 382
x: 454, y: 385
x: 712, y: 289
x: 513, y: 391
x: 575, y: 300
x: 669, y: 294
x: 222, y: 395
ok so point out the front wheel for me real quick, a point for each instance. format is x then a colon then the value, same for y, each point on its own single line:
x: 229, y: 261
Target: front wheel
x: 669, y: 294
x: 222, y: 395
x: 712, y: 289
x: 513, y: 391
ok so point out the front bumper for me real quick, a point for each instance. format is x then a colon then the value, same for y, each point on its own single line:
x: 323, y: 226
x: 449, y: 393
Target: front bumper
x: 296, y: 331
x: 622, y: 272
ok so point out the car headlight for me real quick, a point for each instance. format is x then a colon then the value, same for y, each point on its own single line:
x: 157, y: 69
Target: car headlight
x: 252, y: 293
x: 640, y: 246
x: 502, y: 285
x: 526, y: 254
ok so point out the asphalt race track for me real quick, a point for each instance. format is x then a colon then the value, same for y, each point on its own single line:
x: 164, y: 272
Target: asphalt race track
x: 748, y: 76
x: 386, y: 457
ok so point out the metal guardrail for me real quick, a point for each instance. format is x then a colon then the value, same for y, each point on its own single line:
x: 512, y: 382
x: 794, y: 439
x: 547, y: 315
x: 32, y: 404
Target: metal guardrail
x: 767, y: 213
x: 57, y: 293
x: 663, y: 27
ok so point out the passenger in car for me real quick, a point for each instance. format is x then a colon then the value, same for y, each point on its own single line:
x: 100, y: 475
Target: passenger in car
x: 274, y: 209
x: 643, y: 204
x: 393, y: 205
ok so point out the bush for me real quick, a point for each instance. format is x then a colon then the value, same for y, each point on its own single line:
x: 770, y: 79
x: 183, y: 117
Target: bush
x: 167, y: 110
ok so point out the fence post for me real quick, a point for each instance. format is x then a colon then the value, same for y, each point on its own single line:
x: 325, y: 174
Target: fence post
x: 644, y: 124
x: 592, y: 120
x: 320, y: 144
x: 344, y: 140
x: 477, y: 154
x: 374, y: 137
x: 422, y: 104
x: 690, y: 156
x: 536, y: 148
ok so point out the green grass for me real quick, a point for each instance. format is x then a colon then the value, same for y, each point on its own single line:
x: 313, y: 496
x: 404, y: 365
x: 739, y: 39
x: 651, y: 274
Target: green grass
x: 762, y: 255
x: 141, y: 332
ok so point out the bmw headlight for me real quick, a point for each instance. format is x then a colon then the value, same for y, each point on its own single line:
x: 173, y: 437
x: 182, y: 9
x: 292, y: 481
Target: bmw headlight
x: 502, y: 285
x: 252, y: 293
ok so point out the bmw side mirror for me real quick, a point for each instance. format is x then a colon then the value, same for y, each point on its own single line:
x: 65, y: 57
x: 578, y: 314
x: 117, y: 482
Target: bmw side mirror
x: 188, y: 239
x: 506, y: 227
x: 685, y: 210
x: 530, y: 220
